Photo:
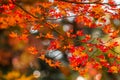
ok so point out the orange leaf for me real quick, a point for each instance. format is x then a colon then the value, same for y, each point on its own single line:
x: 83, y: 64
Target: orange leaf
x: 13, y: 35
x: 32, y: 50
x: 48, y: 35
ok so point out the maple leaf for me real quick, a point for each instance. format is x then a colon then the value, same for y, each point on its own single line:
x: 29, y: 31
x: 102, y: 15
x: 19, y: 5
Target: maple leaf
x: 48, y: 35
x: 32, y: 50
x: 23, y: 77
x: 57, y: 64
x: 107, y: 29
x: 24, y: 38
x: 114, y: 34
x: 55, y: 44
x: 80, y: 33
x: 42, y: 57
x: 113, y: 69
x: 12, y: 75
x: 110, y: 55
x: 13, y: 35
x: 97, y: 65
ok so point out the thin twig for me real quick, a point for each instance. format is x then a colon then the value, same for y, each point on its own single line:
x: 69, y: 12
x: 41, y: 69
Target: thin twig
x: 115, y: 51
x: 52, y: 28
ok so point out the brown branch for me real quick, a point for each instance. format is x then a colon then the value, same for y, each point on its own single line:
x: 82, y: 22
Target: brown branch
x: 81, y: 2
x: 64, y: 17
x: 95, y: 2
x: 92, y: 55
x: 114, y: 51
x: 35, y: 16
x: 52, y: 28
x: 108, y: 4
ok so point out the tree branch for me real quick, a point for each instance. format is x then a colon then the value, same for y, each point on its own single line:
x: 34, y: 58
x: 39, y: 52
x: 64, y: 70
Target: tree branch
x: 95, y: 2
x: 114, y: 51
x: 52, y: 28
x: 81, y: 2
x: 24, y: 10
x: 64, y: 17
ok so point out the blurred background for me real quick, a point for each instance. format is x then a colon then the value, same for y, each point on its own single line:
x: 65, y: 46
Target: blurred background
x: 17, y: 63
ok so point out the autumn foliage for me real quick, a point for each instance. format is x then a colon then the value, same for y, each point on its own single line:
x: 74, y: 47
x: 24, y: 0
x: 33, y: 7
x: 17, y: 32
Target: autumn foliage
x: 92, y: 42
